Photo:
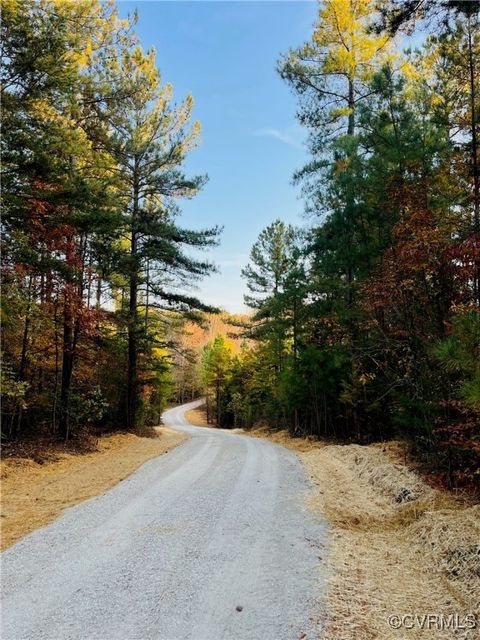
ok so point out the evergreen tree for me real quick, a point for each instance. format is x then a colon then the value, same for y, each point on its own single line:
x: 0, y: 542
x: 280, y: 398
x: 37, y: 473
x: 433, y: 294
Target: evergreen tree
x: 150, y: 141
x: 274, y: 278
x: 57, y: 179
x: 216, y: 367
x: 331, y: 75
x: 92, y: 150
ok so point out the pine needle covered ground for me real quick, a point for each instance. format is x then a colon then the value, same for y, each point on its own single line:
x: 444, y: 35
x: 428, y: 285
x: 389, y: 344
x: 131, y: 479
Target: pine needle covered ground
x: 198, y: 417
x: 399, y: 547
x: 35, y: 492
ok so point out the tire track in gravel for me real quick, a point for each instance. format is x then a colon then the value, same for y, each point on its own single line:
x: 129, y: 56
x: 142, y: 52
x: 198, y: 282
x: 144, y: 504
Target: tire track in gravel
x: 171, y: 552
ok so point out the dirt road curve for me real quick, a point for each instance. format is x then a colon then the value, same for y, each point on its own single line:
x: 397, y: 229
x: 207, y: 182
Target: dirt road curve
x: 211, y: 541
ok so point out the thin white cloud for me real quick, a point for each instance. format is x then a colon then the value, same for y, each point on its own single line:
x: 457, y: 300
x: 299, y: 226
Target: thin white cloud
x: 237, y: 260
x: 290, y: 136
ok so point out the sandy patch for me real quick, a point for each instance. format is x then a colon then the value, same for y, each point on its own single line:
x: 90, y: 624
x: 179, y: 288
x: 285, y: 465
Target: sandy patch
x: 34, y: 494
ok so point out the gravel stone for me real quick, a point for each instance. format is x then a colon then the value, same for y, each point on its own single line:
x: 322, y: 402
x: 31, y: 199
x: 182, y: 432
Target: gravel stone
x: 169, y: 552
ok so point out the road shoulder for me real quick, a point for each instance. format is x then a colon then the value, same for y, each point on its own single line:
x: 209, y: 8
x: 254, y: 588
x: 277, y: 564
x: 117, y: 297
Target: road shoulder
x: 34, y: 493
x: 399, y: 547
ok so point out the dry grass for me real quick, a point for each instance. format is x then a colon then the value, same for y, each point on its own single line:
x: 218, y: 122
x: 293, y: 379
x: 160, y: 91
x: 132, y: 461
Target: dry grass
x: 299, y: 445
x: 34, y: 494
x: 398, y: 545
x: 198, y: 417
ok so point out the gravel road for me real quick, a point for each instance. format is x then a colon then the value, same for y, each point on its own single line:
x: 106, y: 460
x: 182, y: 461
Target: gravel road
x: 211, y: 541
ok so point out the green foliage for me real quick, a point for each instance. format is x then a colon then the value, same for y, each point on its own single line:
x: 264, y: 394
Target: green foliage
x: 460, y: 354
x: 87, y: 410
x: 368, y: 328
x: 96, y: 263
x: 215, y: 373
x: 13, y: 395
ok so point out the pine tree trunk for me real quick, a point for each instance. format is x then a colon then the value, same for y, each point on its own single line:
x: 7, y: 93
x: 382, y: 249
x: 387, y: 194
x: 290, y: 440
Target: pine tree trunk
x: 132, y: 375
x: 26, y: 328
x: 474, y: 126
x: 132, y: 382
x: 474, y: 160
x: 55, y: 383
x: 67, y: 369
x: 68, y: 345
x: 350, y: 198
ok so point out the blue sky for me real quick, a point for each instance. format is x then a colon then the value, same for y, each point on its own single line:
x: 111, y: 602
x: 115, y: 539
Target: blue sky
x: 225, y: 54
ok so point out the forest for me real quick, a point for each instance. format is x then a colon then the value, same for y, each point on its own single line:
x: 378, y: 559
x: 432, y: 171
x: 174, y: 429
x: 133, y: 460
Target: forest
x: 94, y: 257
x: 364, y: 323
